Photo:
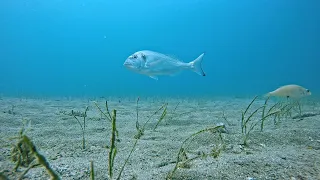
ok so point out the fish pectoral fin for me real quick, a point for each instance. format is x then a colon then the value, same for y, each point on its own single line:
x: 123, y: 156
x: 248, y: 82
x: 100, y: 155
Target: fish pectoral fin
x: 154, y: 77
x: 146, y: 65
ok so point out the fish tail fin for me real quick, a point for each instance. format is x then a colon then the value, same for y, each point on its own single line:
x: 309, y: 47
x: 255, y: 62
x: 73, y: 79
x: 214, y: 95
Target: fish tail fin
x: 196, y: 65
x: 267, y: 95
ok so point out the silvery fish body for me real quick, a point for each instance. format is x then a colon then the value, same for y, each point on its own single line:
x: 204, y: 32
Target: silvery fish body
x: 292, y: 91
x: 153, y: 64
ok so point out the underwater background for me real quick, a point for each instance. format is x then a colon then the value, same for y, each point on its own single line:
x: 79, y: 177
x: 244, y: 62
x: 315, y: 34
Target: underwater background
x: 78, y: 47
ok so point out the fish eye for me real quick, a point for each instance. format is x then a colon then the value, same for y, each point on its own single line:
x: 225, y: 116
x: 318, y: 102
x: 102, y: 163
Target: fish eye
x: 308, y: 90
x: 133, y: 56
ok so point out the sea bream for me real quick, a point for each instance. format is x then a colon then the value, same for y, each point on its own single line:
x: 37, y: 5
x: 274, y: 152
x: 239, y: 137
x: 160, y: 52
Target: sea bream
x: 290, y: 91
x: 154, y: 64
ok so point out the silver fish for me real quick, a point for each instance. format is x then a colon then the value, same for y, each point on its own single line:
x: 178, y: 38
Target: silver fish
x: 154, y: 64
x: 292, y: 91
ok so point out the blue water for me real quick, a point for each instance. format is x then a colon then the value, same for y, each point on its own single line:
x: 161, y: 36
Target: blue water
x: 77, y: 47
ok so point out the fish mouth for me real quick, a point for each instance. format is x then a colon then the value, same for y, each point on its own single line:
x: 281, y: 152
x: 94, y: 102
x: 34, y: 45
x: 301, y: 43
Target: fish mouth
x: 126, y: 64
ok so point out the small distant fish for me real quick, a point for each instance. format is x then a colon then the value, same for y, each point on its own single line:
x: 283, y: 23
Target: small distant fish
x: 154, y: 64
x: 290, y: 91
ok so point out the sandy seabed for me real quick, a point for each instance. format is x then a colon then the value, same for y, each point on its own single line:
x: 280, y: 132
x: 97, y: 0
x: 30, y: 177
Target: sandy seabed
x: 289, y: 149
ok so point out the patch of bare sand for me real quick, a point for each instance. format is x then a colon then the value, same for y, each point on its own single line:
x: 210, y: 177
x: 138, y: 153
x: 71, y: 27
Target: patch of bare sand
x: 290, y: 149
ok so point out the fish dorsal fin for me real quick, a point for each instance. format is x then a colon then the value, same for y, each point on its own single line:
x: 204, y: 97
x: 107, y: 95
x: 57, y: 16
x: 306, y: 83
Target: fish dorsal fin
x: 154, y: 77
